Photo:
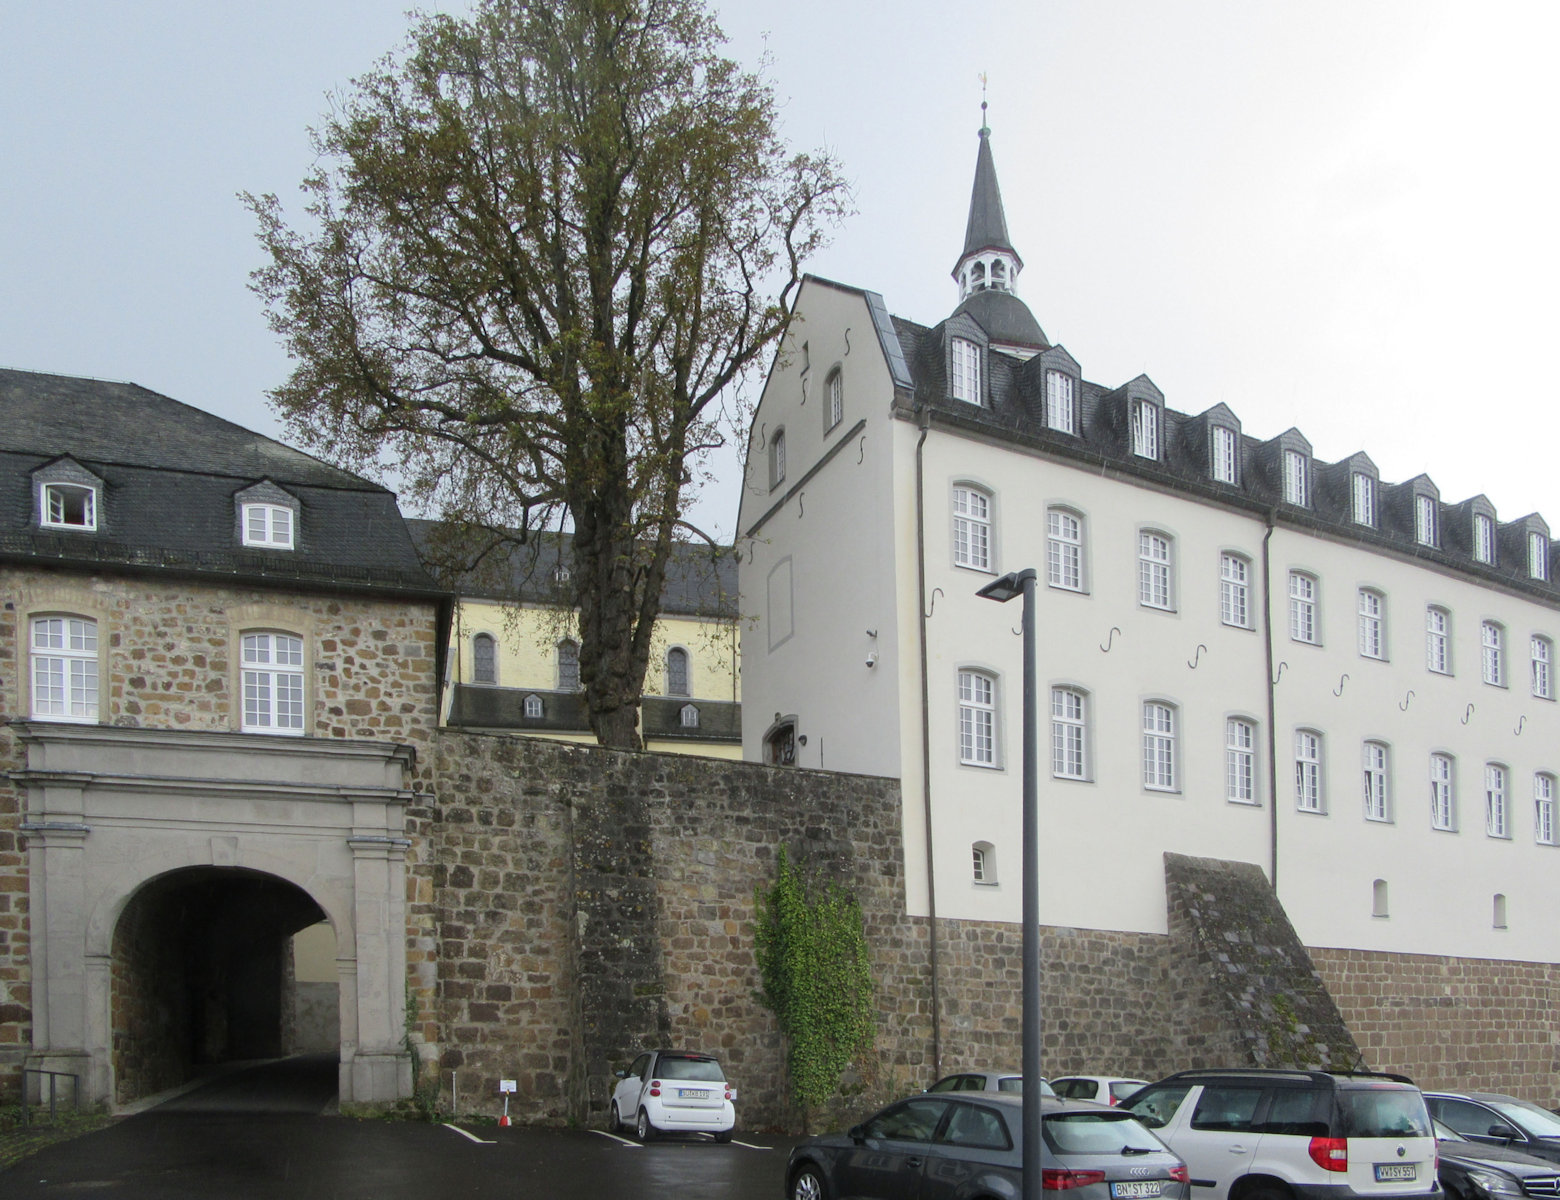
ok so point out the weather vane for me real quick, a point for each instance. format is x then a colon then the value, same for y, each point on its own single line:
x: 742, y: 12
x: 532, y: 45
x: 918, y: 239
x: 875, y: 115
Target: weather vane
x: 983, y: 128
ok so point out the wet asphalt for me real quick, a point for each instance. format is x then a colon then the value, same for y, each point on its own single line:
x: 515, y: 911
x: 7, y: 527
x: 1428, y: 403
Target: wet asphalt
x: 271, y: 1132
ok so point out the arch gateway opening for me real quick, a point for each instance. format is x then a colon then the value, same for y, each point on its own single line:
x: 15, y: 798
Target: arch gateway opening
x: 169, y: 876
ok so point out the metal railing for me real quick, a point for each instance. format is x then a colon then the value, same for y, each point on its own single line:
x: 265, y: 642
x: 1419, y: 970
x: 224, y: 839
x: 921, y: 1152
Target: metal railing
x: 53, y: 1077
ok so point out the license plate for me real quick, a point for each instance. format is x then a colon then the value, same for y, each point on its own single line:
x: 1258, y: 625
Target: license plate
x: 1136, y: 1188
x: 703, y: 1094
x: 1386, y: 1171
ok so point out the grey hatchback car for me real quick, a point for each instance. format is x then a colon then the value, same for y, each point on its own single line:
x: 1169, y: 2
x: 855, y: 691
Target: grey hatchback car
x: 971, y: 1144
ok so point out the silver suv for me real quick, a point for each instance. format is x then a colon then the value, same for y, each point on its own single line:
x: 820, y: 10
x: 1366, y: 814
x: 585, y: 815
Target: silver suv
x: 1294, y: 1135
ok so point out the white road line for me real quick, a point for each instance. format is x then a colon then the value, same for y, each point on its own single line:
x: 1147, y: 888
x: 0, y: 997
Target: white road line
x: 750, y: 1145
x: 472, y: 1136
x: 620, y: 1140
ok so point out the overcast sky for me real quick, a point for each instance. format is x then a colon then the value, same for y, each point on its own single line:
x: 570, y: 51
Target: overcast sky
x: 1331, y: 214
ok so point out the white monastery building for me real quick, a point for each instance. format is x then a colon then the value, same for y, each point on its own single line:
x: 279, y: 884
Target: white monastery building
x: 1244, y: 653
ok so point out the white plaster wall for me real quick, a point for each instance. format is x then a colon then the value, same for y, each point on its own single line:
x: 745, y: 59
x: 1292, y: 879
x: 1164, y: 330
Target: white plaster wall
x: 836, y: 531
x: 1440, y: 884
x: 1102, y: 840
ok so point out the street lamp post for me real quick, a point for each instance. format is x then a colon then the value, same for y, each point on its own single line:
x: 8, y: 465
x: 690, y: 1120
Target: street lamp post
x: 1022, y: 583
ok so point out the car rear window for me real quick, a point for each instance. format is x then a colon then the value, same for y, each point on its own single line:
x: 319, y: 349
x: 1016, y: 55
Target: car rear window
x: 680, y: 1066
x: 1383, y: 1112
x: 1075, y: 1089
x: 1096, y: 1133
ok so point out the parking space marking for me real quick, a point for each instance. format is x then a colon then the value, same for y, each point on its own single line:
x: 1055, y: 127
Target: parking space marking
x: 620, y: 1140
x: 472, y: 1136
x: 750, y: 1145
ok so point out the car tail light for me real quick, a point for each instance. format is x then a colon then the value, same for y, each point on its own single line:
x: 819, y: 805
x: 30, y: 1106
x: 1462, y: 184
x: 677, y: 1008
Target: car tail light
x: 655, y: 1087
x: 1063, y: 1181
x: 1331, y: 1154
x: 1180, y: 1174
x: 731, y: 1092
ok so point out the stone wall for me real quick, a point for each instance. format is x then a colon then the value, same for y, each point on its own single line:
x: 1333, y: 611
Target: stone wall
x: 1482, y: 1024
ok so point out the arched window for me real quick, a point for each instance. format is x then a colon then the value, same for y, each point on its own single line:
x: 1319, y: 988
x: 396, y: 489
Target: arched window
x: 64, y: 669
x: 977, y: 719
x: 1309, y: 796
x: 833, y: 399
x: 1069, y: 733
x: 1443, y: 797
x: 484, y: 659
x: 1372, y: 623
x: 1378, y: 898
x: 272, y: 683
x: 777, y: 459
x: 1160, y: 767
x: 568, y: 665
x: 1493, y: 638
x: 964, y: 371
x: 1064, y: 549
x: 1240, y: 761
x: 971, y: 528
x: 1438, y: 640
x: 677, y: 672
x: 983, y: 859
x: 1544, y: 808
x: 1377, y: 783
x: 1156, y: 565
x: 1499, y: 913
x: 1496, y: 823
x: 1303, y: 625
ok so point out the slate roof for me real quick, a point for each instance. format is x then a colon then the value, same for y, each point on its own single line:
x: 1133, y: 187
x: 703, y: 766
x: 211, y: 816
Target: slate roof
x: 170, y: 475
x: 700, y: 581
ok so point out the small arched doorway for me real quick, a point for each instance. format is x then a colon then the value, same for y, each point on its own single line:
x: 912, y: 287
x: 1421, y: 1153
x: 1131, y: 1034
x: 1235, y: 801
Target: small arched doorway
x: 203, y: 973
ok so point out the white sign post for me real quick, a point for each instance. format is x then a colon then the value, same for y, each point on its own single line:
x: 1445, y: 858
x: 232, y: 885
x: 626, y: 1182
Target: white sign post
x: 506, y: 1087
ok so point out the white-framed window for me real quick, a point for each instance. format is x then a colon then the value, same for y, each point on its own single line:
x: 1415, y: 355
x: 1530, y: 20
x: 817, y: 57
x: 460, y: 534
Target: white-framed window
x: 64, y: 659
x: 1234, y: 591
x: 677, y: 671
x: 1155, y: 563
x: 69, y: 506
x: 1377, y: 782
x: 1538, y: 555
x: 1145, y: 429
x: 1543, y: 653
x: 1061, y: 405
x: 983, y: 863
x: 777, y: 459
x: 1373, y: 624
x: 1159, y: 752
x: 273, y: 683
x: 977, y: 719
x: 1483, y: 538
x: 1302, y: 608
x: 688, y: 716
x: 1495, y: 822
x: 1226, y: 457
x: 1064, y: 550
x: 1378, y: 898
x: 1297, y: 483
x: 964, y: 370
x: 1438, y: 640
x: 971, y: 528
x: 568, y: 665
x: 1443, y: 795
x: 1240, y: 761
x: 1424, y: 520
x: 1069, y: 733
x: 269, y: 525
x: 533, y: 707
x: 1493, y: 639
x: 1308, y: 771
x: 484, y: 658
x: 1362, y: 489
x: 1544, y: 808
x: 834, y: 399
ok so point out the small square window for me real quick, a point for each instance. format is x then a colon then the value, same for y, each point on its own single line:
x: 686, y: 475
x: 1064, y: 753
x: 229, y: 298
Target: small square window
x: 69, y: 506
x: 269, y: 525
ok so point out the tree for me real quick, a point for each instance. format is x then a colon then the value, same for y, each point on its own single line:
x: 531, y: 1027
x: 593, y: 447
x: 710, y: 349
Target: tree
x: 543, y: 248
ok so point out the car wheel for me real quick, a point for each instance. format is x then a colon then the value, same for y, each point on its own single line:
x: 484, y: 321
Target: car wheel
x: 643, y: 1129
x: 615, y: 1120
x: 807, y: 1184
x: 723, y: 1136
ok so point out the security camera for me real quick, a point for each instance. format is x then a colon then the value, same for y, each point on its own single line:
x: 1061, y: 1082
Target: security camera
x: 872, y: 659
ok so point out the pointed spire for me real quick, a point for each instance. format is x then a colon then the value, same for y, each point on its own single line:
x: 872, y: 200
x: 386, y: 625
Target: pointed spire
x: 987, y: 228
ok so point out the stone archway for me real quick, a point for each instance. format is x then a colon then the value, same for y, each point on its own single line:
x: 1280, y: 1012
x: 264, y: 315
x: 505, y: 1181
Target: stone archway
x: 110, y: 810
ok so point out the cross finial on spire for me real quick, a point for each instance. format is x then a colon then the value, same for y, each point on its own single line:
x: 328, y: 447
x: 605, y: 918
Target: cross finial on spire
x: 983, y: 129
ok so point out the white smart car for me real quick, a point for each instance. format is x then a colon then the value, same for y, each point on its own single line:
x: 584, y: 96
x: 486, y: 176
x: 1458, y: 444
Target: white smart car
x: 674, y: 1091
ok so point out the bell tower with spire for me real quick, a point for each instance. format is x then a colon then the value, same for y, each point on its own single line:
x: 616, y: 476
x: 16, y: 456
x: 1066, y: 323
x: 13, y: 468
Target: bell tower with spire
x: 989, y: 263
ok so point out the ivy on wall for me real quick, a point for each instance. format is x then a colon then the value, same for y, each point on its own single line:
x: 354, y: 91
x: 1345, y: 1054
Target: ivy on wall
x: 817, y: 978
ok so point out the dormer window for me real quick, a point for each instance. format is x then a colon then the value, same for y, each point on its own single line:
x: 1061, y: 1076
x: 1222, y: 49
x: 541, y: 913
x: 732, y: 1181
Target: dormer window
x: 1225, y: 457
x: 1145, y: 429
x: 1297, y: 483
x: 1363, y: 490
x: 69, y: 506
x: 964, y: 370
x: 1424, y: 520
x: 533, y: 707
x: 1061, y: 411
x: 269, y: 525
x: 1484, y: 538
x: 1538, y: 555
x: 688, y: 716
